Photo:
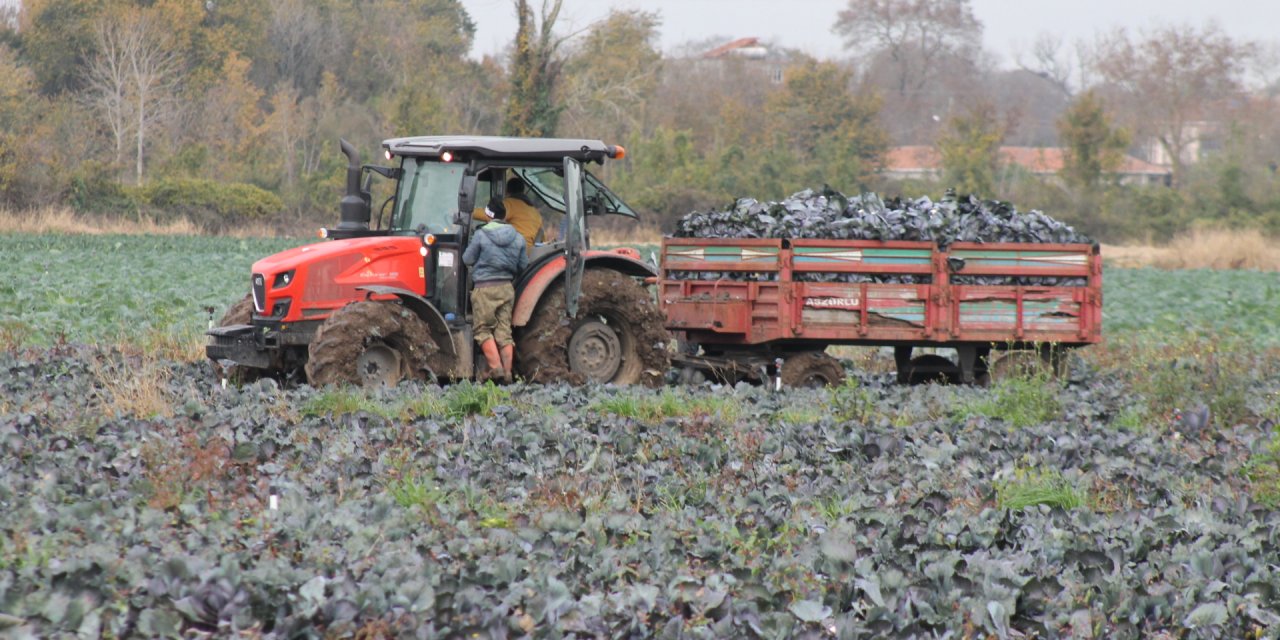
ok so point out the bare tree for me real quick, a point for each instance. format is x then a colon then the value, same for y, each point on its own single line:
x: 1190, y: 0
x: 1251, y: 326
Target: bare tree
x: 133, y: 78
x: 1171, y: 78
x: 1054, y: 62
x: 297, y: 36
x: 915, y: 35
x: 107, y: 83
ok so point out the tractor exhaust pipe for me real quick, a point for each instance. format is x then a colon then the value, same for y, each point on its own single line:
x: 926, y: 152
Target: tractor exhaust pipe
x: 355, y: 208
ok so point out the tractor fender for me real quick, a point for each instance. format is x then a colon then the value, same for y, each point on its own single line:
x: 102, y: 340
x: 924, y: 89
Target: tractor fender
x: 543, y: 275
x: 424, y: 309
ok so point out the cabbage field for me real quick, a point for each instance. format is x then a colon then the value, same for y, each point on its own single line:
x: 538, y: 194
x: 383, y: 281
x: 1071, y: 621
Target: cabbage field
x: 1136, y: 497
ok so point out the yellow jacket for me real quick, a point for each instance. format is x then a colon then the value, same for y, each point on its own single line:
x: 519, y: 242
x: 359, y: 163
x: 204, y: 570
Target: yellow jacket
x: 526, y: 219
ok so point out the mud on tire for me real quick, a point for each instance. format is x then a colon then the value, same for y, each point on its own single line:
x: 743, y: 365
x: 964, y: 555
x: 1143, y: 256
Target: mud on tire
x: 368, y: 332
x: 617, y: 319
x: 811, y: 369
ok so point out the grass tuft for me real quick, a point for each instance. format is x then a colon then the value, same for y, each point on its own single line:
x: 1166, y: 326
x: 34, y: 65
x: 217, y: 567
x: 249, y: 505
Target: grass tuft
x: 471, y: 399
x: 1020, y: 401
x: 1032, y: 487
x: 669, y: 404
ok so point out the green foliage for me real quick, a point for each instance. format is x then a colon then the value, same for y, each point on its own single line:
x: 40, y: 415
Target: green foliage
x: 669, y: 403
x: 1094, y: 147
x: 970, y: 151
x: 1178, y: 372
x: 531, y: 108
x: 471, y: 399
x: 1033, y: 487
x: 207, y: 203
x: 852, y: 402
x: 348, y: 400
x: 1020, y: 400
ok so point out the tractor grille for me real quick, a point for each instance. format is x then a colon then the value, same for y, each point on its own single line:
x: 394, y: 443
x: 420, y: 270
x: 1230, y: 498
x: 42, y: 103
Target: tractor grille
x: 259, y: 293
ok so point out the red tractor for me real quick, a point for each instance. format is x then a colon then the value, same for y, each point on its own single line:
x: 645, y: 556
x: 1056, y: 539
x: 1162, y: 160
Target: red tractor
x: 383, y: 304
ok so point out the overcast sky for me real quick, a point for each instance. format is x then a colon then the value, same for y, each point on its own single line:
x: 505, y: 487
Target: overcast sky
x: 1010, y: 25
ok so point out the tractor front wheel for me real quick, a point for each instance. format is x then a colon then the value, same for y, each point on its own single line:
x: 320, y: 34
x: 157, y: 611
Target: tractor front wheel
x: 239, y: 313
x: 370, y: 344
x: 617, y: 337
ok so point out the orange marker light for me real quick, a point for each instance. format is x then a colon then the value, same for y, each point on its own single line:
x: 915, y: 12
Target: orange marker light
x: 618, y: 152
x: 323, y: 233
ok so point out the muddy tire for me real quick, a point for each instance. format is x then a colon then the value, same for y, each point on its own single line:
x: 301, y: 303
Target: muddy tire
x: 618, y: 336
x: 239, y: 313
x: 370, y: 344
x: 812, y: 370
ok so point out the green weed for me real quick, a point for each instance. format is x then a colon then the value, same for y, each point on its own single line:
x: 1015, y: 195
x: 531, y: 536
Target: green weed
x: 414, y: 491
x: 1020, y: 401
x: 471, y: 399
x: 1135, y: 418
x: 851, y: 402
x: 1031, y: 487
x: 1263, y: 472
x: 669, y: 404
x: 348, y: 400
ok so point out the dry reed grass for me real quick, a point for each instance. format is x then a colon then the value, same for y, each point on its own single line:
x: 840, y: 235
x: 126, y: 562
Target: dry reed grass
x: 1202, y: 249
x: 62, y: 220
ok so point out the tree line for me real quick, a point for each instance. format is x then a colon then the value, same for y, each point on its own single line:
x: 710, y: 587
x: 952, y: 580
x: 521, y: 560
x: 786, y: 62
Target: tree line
x: 226, y: 109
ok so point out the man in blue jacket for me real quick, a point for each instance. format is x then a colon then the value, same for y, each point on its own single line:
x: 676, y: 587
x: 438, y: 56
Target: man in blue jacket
x: 496, y: 256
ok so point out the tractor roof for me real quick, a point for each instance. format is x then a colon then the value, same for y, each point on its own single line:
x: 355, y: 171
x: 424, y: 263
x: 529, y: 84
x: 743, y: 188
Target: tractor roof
x: 497, y: 147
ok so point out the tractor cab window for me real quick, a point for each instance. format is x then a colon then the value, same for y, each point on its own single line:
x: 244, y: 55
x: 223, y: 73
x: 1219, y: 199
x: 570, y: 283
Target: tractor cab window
x: 427, y: 196
x: 549, y: 185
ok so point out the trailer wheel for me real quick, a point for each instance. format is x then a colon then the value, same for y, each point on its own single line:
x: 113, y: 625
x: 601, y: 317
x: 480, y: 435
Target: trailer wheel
x: 239, y: 313
x: 617, y: 337
x: 811, y: 370
x: 370, y: 344
x: 931, y: 367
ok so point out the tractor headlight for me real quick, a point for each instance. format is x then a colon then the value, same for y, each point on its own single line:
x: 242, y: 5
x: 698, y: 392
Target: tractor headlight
x: 283, y: 279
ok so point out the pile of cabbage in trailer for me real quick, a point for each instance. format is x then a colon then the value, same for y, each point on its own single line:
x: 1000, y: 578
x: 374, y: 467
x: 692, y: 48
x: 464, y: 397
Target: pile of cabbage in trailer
x: 829, y: 214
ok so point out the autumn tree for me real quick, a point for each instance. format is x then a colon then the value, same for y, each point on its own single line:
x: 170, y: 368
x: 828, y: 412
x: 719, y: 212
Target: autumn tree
x: 1171, y: 78
x: 17, y: 106
x: 535, y: 70
x: 970, y: 151
x: 1093, y: 146
x: 833, y: 133
x: 610, y: 76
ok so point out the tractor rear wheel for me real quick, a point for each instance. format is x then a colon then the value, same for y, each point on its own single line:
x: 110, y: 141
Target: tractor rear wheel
x: 811, y: 370
x: 617, y: 337
x: 239, y: 313
x: 369, y: 344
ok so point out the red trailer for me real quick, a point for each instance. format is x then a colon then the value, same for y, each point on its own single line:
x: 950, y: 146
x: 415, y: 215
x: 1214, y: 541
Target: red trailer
x: 756, y: 308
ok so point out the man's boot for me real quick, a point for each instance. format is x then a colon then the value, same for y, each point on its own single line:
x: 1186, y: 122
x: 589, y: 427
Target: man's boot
x: 493, y: 358
x: 508, y: 354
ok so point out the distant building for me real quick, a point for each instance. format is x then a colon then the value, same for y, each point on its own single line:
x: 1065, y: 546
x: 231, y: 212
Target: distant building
x: 769, y: 60
x: 925, y: 163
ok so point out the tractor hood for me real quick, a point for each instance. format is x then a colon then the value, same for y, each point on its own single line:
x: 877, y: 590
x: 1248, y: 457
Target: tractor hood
x: 309, y: 282
x: 364, y: 249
